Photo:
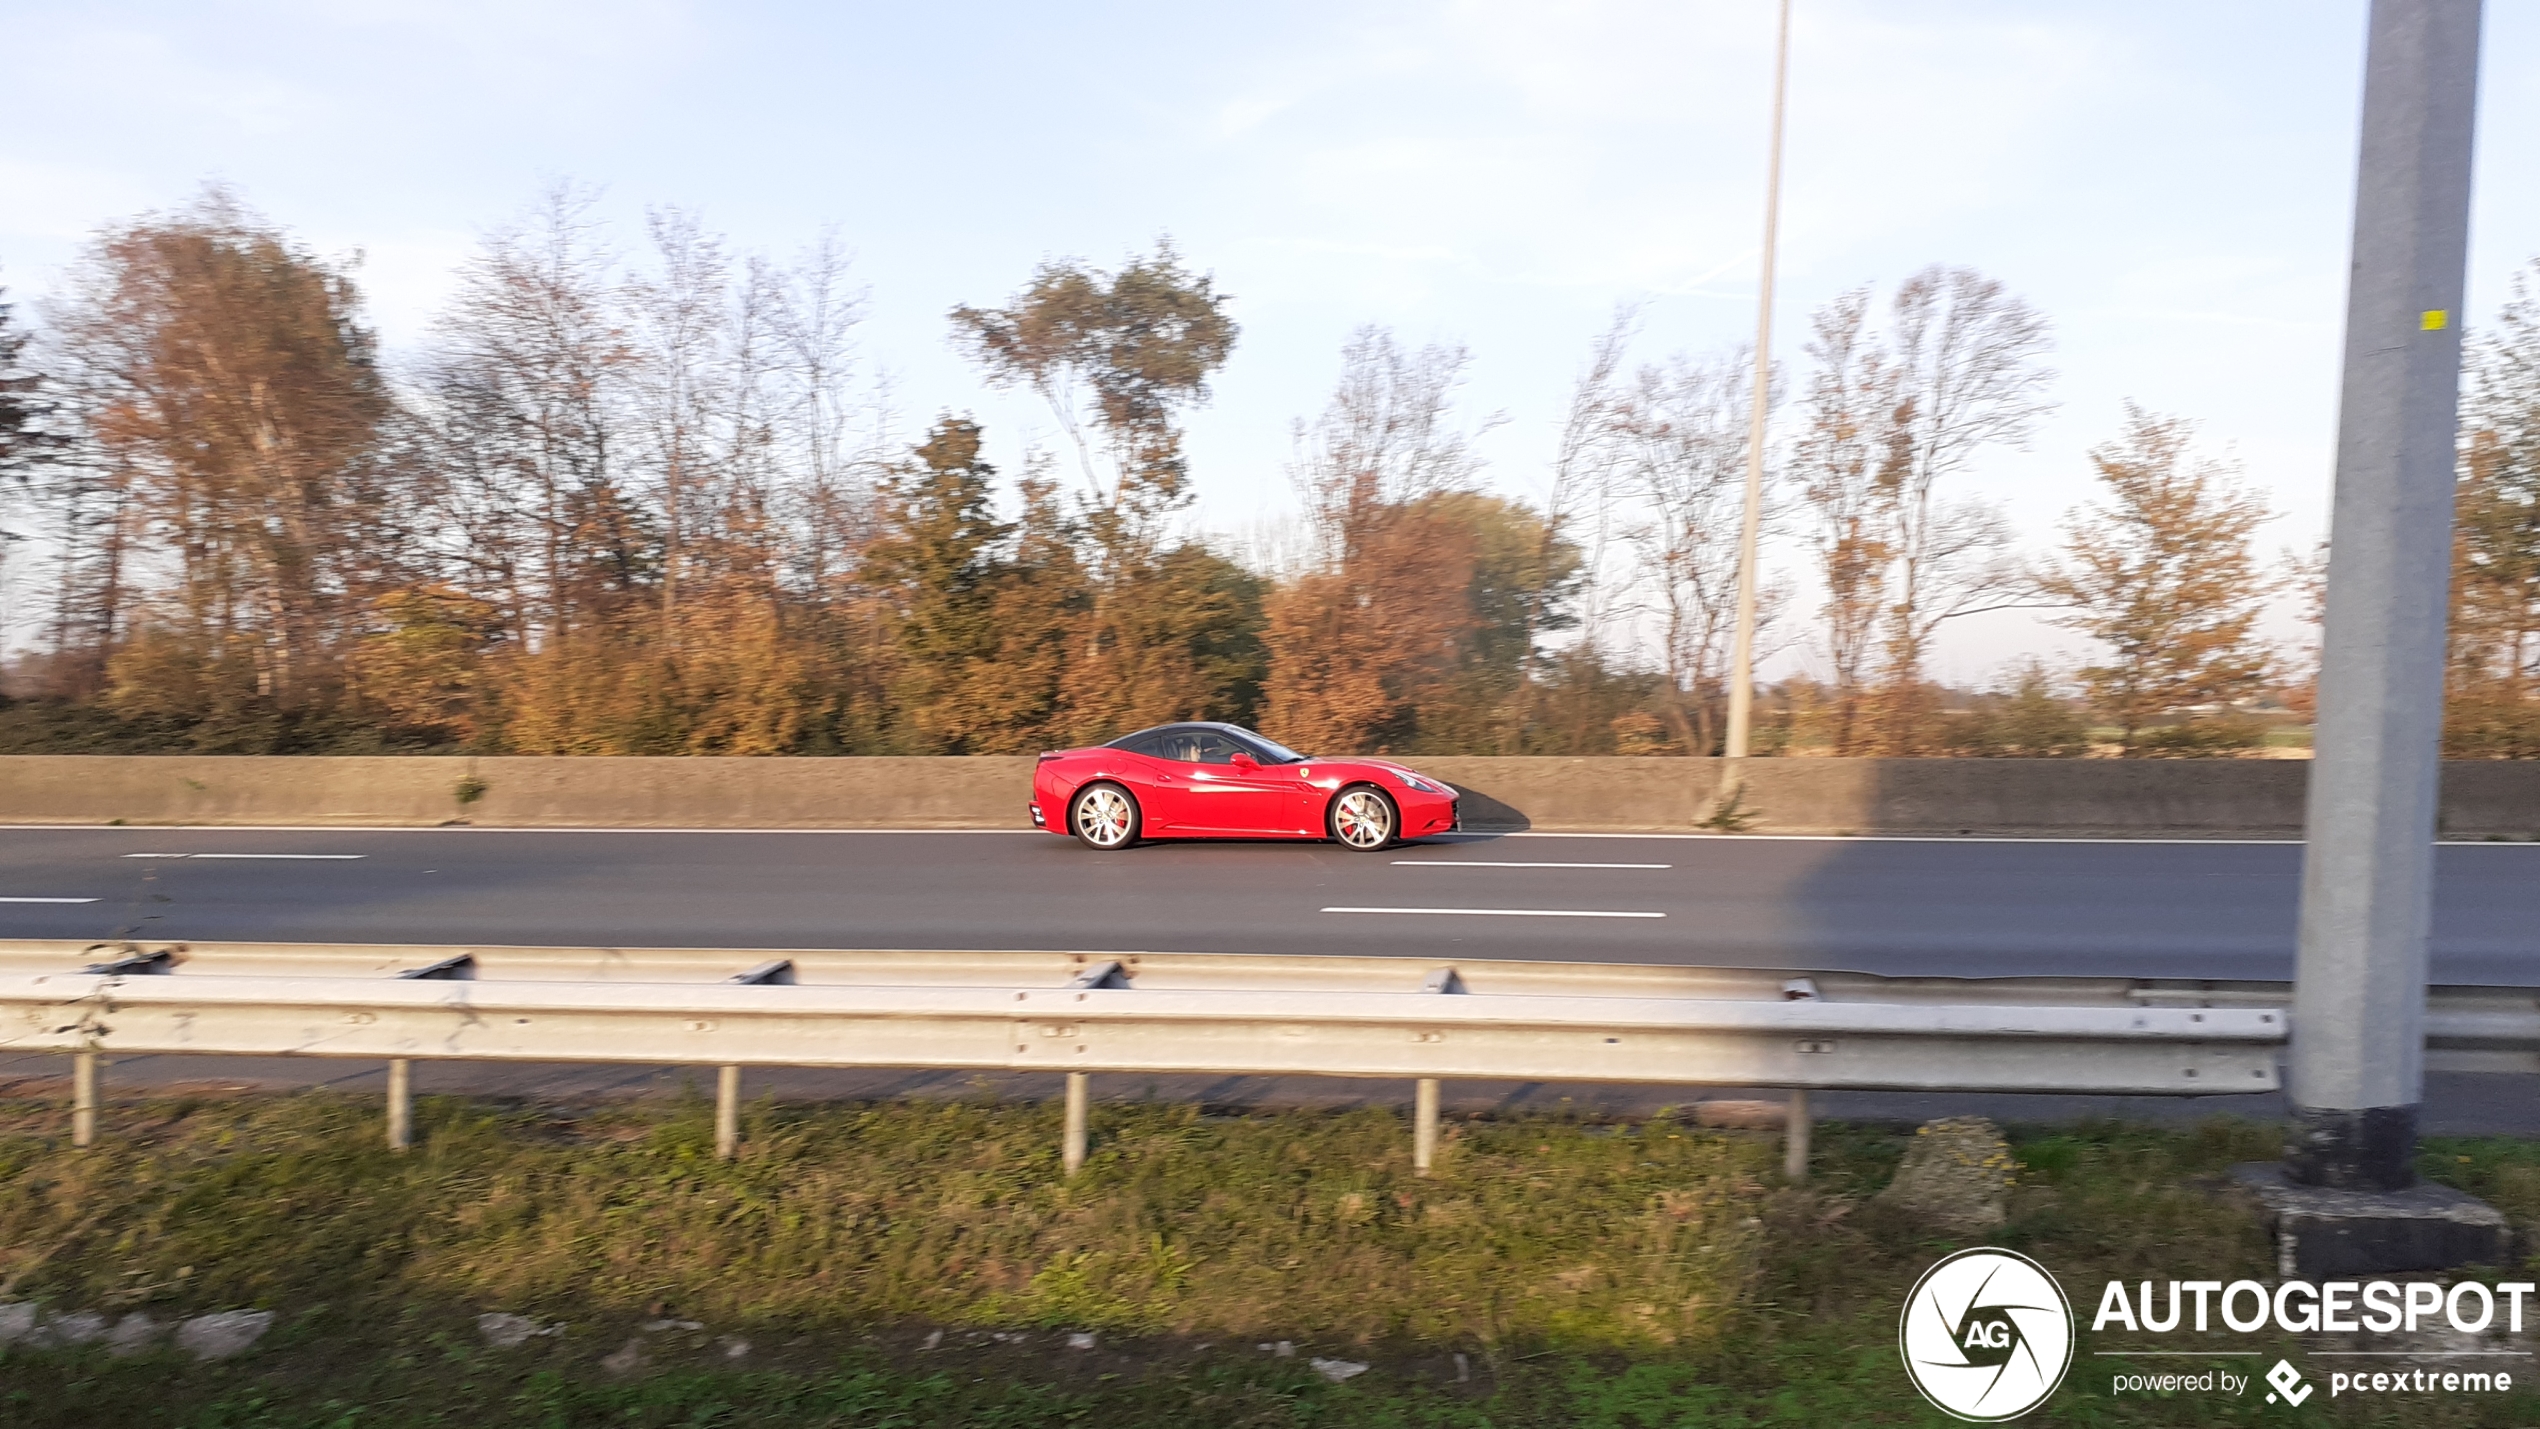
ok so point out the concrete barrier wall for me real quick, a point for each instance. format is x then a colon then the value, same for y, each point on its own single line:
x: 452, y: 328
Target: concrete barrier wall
x: 2148, y: 798
x: 518, y: 793
x: 1950, y: 796
x: 1928, y: 796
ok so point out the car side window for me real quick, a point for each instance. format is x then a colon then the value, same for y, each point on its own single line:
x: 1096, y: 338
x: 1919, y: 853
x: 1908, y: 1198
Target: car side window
x: 1152, y: 747
x: 1195, y: 746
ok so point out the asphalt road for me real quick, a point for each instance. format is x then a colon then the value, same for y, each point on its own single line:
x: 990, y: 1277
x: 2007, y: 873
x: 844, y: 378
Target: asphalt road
x: 1937, y: 907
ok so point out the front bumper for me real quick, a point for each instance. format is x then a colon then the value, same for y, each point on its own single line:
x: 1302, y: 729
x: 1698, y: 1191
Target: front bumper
x: 1427, y: 815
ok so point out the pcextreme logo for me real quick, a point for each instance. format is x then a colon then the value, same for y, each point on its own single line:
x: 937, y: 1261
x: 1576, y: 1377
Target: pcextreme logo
x: 1987, y: 1335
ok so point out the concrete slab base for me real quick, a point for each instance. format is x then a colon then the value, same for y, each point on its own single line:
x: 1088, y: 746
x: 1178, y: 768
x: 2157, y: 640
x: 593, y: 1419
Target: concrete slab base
x: 2322, y: 1233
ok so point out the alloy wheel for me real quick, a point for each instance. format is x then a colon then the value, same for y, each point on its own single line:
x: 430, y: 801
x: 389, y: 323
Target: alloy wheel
x: 1363, y: 819
x: 1104, y: 817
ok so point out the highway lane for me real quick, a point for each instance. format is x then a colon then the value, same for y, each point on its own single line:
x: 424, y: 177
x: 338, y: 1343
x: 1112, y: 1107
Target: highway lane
x: 1945, y: 907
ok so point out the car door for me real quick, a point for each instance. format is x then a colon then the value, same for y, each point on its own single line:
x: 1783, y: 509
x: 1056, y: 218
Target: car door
x: 1219, y: 797
x: 1156, y: 780
x: 1279, y: 799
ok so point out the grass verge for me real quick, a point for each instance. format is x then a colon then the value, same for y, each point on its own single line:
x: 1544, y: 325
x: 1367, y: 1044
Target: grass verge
x: 923, y: 1264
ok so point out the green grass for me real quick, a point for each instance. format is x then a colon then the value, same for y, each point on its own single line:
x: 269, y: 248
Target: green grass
x: 952, y: 1213
x: 1631, y: 1276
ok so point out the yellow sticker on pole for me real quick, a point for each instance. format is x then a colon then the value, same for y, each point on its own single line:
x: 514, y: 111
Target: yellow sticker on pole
x: 2435, y: 320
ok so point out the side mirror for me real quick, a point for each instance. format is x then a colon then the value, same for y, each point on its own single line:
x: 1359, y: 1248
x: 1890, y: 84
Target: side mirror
x: 1243, y: 760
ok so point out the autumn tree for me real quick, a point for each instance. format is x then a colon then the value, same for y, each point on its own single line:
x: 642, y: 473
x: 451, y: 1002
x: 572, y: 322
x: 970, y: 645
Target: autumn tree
x: 2304, y: 574
x: 1579, y: 505
x: 421, y: 672
x: 1422, y: 595
x: 1351, y: 637
x: 2494, y: 700
x: 1503, y: 691
x: 1843, y: 451
x: 805, y: 444
x: 1118, y: 358
x: 635, y: 501
x: 237, y: 395
x: 1015, y: 703
x: 1968, y: 377
x: 2162, y: 573
x: 1894, y: 415
x: 27, y: 437
x: 939, y: 562
x: 831, y: 431
x: 2023, y: 718
x: 82, y: 513
x: 687, y: 383
x: 529, y: 435
x: 527, y: 407
x: 1682, y: 426
x: 659, y: 472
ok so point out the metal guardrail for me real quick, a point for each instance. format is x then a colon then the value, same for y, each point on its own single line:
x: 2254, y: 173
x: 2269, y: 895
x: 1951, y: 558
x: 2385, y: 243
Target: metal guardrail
x: 1085, y: 1013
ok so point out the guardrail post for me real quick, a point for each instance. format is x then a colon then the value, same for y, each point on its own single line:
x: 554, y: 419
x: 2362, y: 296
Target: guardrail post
x: 400, y: 1103
x: 83, y: 1099
x: 1071, y: 1154
x: 1424, y: 1098
x: 1424, y: 1125
x: 727, y: 1112
x: 1796, y: 1124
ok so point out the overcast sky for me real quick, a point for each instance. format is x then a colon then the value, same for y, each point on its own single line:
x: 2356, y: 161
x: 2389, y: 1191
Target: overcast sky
x: 2169, y: 182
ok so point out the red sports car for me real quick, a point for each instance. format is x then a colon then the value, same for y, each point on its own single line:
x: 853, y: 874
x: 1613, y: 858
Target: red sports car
x: 1224, y: 781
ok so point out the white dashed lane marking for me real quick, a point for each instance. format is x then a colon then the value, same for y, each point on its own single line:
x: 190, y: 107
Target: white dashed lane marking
x: 1485, y: 863
x: 1505, y: 912
x: 305, y: 857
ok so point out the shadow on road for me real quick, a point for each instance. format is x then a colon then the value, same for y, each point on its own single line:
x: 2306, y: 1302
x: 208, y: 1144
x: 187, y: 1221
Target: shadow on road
x: 1483, y: 814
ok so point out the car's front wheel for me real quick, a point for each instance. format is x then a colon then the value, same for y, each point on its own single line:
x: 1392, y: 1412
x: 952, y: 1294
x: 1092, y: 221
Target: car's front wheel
x: 1103, y: 817
x: 1364, y: 818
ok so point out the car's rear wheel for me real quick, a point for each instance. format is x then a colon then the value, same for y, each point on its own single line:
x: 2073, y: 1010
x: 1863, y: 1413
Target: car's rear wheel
x: 1103, y: 817
x: 1364, y: 818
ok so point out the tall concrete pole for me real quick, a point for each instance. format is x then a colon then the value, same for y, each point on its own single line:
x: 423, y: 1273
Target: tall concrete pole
x: 2367, y: 876
x: 1742, y: 643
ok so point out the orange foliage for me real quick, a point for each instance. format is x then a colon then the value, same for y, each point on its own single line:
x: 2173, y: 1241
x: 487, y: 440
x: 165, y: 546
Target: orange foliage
x: 1355, y: 651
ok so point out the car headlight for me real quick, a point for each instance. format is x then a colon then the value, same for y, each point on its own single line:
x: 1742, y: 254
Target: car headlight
x: 1423, y: 785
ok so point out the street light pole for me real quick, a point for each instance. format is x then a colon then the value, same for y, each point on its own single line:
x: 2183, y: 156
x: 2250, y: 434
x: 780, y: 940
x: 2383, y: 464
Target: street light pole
x: 2358, y: 1061
x: 1742, y: 643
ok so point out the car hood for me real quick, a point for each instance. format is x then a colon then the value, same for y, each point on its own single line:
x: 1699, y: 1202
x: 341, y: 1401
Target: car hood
x: 1395, y: 765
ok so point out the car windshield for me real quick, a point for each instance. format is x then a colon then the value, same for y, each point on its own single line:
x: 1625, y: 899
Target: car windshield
x: 1271, y: 751
x: 1200, y: 744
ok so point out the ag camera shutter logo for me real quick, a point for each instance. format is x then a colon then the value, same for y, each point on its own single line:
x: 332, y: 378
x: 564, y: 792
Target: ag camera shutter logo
x: 1987, y: 1335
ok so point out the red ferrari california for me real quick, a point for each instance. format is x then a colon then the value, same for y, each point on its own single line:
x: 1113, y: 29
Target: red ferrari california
x: 1206, y: 781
